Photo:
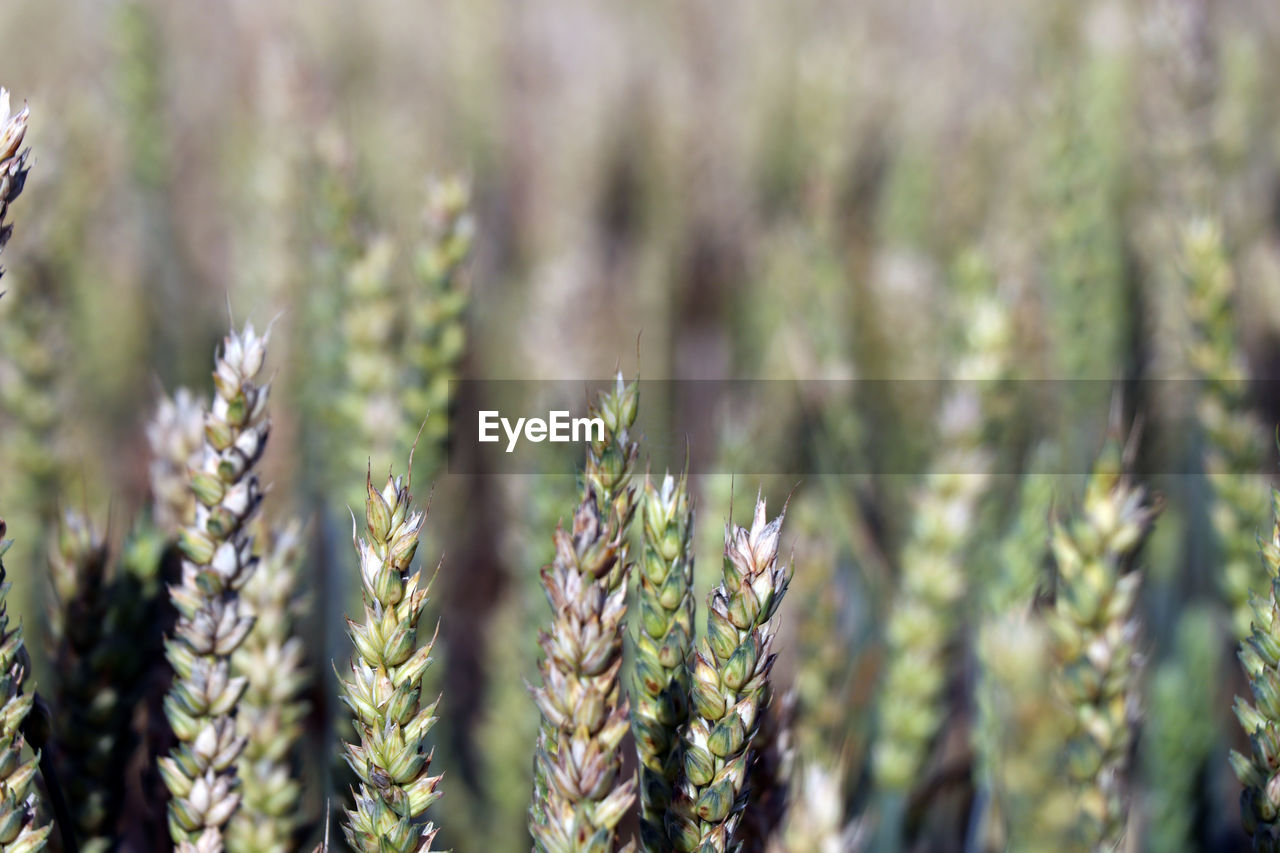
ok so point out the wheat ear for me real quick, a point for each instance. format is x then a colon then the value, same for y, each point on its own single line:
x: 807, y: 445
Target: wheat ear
x: 580, y: 793
x: 219, y: 559
x: 663, y: 643
x: 1233, y: 436
x: 729, y: 688
x: 1095, y: 633
x: 384, y: 688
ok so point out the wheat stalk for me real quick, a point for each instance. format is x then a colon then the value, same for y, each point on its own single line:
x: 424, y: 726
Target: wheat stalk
x: 271, y: 711
x: 200, y: 772
x: 580, y: 794
x: 729, y: 687
x: 665, y: 603
x: 383, y: 691
x: 21, y: 827
x: 1095, y: 631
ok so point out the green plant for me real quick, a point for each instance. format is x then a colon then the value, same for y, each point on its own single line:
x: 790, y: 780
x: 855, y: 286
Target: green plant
x: 1233, y: 437
x: 384, y: 689
x: 435, y: 335
x: 201, y: 772
x: 1094, y: 629
x: 933, y: 579
x: 580, y: 793
x: 729, y: 687
x: 663, y: 644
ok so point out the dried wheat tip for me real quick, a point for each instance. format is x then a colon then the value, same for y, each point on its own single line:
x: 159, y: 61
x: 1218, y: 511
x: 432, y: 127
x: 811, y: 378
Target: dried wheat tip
x: 729, y: 690
x: 663, y: 643
x: 384, y: 688
x: 271, y: 712
x: 1233, y: 437
x: 13, y: 162
x: 580, y: 794
x: 1260, y: 719
x: 21, y: 827
x: 435, y: 334
x: 176, y: 437
x: 219, y: 559
x: 1095, y: 635
x: 92, y: 715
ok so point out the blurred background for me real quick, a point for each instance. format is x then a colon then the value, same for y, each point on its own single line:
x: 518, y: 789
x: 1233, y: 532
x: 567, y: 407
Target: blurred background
x: 810, y: 190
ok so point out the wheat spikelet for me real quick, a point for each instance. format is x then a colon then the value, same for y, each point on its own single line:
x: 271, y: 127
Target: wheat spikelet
x: 200, y: 772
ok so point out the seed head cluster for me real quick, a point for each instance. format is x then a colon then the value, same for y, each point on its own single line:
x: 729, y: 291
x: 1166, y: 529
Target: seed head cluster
x: 384, y: 687
x: 729, y: 676
x: 200, y: 772
x: 580, y: 792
